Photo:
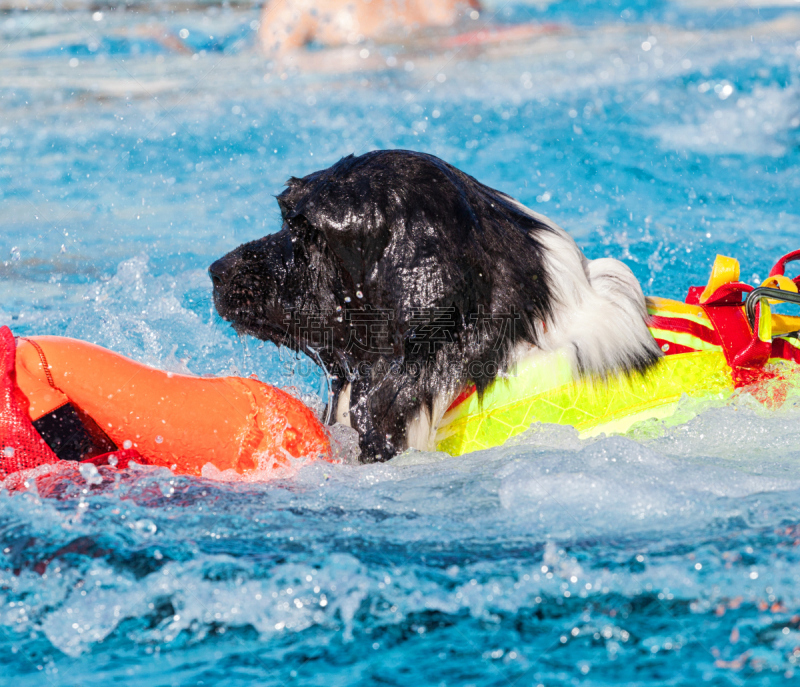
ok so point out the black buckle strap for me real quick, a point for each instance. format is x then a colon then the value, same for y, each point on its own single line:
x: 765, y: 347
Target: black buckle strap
x: 766, y: 292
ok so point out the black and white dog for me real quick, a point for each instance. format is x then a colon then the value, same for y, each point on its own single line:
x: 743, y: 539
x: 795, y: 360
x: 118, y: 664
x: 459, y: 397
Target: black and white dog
x: 410, y: 280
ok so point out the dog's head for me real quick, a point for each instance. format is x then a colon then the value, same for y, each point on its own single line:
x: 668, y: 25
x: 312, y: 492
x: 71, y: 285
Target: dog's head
x: 379, y: 239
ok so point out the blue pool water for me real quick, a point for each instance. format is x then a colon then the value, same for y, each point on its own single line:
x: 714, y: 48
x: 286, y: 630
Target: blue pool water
x: 659, y: 133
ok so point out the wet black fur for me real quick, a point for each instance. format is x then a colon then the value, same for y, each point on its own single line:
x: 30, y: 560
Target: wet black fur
x: 410, y: 232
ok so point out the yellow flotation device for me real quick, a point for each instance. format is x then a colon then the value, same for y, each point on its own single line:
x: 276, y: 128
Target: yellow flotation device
x: 711, y: 347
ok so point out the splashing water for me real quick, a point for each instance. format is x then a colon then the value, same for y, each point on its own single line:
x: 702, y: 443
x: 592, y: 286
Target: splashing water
x: 658, y: 133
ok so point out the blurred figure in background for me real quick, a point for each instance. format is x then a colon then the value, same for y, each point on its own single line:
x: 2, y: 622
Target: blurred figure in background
x: 287, y: 25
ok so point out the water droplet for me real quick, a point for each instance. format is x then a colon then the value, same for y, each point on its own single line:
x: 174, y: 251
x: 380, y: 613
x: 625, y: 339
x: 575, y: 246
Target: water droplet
x: 347, y: 299
x: 359, y: 294
x: 159, y: 439
x: 127, y: 444
x: 90, y: 473
x: 146, y: 526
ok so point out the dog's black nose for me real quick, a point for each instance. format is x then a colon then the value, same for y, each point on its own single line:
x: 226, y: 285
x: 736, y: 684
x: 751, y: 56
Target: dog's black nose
x: 220, y: 271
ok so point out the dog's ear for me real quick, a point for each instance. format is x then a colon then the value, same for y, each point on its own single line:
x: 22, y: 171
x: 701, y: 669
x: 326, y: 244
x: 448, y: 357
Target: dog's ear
x: 288, y: 198
x: 343, y: 206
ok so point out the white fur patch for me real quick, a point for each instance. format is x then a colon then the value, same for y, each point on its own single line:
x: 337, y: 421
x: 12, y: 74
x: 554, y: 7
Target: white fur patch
x: 599, y: 310
x: 421, y: 430
x: 343, y: 406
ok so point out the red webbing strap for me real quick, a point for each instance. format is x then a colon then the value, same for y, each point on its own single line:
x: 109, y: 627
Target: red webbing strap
x: 744, y: 351
x: 779, y: 268
x: 681, y: 325
x: 732, y: 328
